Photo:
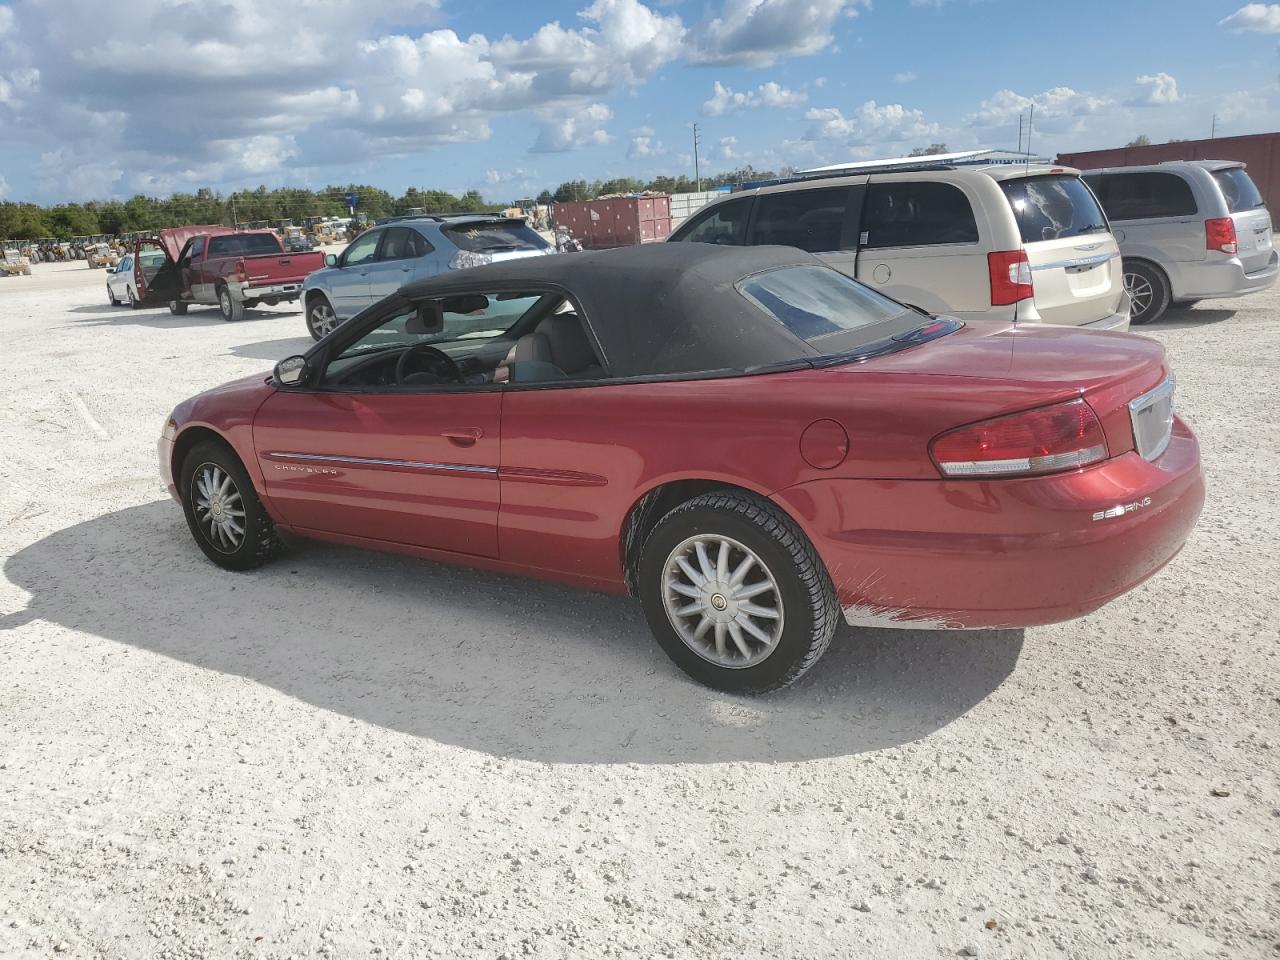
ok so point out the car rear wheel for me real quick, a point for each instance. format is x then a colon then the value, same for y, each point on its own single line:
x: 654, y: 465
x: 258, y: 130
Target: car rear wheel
x: 230, y: 308
x: 736, y: 594
x: 178, y: 308
x: 223, y: 511
x: 1148, y: 292
x: 321, y: 320
x: 111, y: 295
x: 134, y: 302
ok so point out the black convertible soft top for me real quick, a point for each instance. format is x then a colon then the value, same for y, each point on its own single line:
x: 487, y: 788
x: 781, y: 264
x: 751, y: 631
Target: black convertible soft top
x: 657, y: 308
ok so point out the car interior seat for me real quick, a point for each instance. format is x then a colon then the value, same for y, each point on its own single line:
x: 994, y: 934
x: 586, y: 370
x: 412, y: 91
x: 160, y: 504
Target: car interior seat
x: 559, y: 342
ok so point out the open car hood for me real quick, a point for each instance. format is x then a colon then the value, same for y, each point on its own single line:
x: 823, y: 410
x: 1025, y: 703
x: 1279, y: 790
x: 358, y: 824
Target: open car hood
x: 175, y: 238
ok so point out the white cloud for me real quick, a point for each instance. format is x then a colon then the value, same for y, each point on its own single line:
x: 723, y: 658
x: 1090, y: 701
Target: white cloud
x: 727, y: 151
x: 584, y: 127
x: 1057, y: 110
x: 1158, y: 89
x: 906, y: 76
x: 644, y: 144
x: 869, y: 123
x: 1255, y: 18
x: 6, y: 20
x: 770, y: 94
x: 759, y: 33
x: 4, y: 184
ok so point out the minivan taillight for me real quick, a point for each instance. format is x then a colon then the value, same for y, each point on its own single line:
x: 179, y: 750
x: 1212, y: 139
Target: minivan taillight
x: 1010, y: 277
x: 1220, y: 234
x: 1061, y: 437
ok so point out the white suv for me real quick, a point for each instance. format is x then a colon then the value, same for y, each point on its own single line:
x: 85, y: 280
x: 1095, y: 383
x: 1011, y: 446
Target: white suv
x: 1012, y: 243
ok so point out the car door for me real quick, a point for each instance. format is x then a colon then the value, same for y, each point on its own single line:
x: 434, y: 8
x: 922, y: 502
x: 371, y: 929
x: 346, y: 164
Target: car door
x: 919, y: 243
x: 401, y: 465
x: 396, y: 262
x: 821, y: 220
x: 349, y: 283
x: 1153, y: 215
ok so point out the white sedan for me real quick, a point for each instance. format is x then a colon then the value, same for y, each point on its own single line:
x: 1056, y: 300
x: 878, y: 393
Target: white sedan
x: 120, y: 280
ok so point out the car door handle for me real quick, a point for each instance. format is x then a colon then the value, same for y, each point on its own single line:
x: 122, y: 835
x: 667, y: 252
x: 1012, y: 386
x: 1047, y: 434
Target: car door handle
x: 464, y: 437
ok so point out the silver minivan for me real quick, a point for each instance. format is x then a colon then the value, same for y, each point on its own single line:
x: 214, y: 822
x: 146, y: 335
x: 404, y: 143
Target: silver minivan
x: 1025, y: 243
x: 1189, y: 230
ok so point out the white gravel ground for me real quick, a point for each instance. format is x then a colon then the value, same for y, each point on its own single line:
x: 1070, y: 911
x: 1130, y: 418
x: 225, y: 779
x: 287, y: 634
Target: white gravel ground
x: 354, y: 755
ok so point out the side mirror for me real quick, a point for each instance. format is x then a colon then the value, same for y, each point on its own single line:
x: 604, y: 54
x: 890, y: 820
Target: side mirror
x: 291, y: 371
x: 330, y: 259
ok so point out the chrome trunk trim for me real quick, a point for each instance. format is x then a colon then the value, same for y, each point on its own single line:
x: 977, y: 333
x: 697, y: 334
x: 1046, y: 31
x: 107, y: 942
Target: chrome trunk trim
x: 1152, y: 417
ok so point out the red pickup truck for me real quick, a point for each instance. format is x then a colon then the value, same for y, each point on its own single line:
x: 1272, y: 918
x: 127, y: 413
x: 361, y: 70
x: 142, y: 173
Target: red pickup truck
x: 233, y: 269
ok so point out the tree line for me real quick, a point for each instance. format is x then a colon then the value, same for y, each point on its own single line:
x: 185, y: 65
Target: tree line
x: 27, y: 221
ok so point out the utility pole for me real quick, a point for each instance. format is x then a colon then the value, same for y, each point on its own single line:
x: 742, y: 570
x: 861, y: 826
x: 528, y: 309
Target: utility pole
x: 697, y: 176
x: 1019, y: 133
x: 1213, y: 127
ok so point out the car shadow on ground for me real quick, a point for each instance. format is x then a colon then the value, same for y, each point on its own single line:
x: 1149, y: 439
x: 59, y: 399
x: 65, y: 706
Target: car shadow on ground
x: 1176, y: 317
x: 274, y: 350
x: 503, y: 665
x: 160, y: 317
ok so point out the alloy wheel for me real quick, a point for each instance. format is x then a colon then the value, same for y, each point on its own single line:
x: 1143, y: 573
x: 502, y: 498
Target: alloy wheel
x: 323, y: 319
x: 218, y: 508
x: 723, y: 601
x: 1141, y: 293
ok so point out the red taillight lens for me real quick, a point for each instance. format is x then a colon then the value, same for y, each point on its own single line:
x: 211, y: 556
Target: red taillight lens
x: 1061, y: 437
x: 1010, y: 277
x: 1220, y: 234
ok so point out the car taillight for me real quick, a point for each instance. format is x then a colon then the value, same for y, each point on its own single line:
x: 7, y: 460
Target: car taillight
x: 242, y: 273
x: 1220, y: 234
x: 1010, y: 277
x: 469, y: 258
x: 1061, y: 437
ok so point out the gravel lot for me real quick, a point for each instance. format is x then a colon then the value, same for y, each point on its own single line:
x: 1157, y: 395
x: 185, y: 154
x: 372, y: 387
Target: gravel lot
x: 354, y: 755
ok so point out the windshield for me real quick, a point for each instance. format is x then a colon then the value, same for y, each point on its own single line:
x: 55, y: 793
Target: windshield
x: 826, y: 309
x: 495, y: 236
x: 1238, y: 190
x: 1053, y: 207
x: 243, y: 245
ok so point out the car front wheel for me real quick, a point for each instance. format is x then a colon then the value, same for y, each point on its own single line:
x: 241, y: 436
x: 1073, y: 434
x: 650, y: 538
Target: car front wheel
x: 1148, y: 292
x: 736, y: 594
x: 223, y: 511
x: 321, y: 320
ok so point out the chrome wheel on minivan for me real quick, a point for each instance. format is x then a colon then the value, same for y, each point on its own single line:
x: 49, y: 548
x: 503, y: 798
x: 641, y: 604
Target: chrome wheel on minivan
x: 1148, y: 292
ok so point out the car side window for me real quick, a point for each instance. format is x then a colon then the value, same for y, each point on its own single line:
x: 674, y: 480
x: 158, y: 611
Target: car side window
x: 126, y: 264
x: 726, y: 224
x: 362, y: 249
x: 418, y: 245
x: 197, y: 247
x: 812, y: 220
x: 917, y: 214
x: 397, y: 244
x: 1139, y: 196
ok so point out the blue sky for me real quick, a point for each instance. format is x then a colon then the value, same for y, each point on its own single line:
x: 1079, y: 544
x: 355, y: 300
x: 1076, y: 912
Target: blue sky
x: 509, y: 97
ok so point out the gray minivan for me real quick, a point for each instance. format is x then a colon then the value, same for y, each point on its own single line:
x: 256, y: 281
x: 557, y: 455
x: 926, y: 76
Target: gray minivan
x: 1188, y: 230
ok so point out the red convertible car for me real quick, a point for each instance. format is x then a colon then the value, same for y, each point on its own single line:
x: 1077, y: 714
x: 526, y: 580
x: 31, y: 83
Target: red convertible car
x: 750, y: 442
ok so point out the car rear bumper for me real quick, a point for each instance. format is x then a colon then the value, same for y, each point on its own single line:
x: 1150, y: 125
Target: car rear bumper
x: 1207, y: 281
x: 1116, y: 321
x: 950, y: 554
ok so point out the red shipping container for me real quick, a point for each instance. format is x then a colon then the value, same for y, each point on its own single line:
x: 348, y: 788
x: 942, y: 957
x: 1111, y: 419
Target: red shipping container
x: 618, y: 222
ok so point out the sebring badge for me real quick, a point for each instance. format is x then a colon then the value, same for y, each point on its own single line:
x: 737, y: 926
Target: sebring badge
x: 1121, y: 509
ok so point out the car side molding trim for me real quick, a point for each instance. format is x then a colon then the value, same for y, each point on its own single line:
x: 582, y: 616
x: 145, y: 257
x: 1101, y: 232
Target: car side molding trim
x: 378, y: 462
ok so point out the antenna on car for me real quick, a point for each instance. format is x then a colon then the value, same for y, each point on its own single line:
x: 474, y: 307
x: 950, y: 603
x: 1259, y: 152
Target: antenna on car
x: 1026, y: 198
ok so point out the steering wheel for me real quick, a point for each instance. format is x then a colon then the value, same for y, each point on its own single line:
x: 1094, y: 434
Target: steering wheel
x: 437, y: 366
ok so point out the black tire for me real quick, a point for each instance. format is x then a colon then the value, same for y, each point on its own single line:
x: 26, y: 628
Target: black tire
x: 259, y: 542
x: 314, y: 324
x: 1149, y: 290
x: 178, y: 308
x: 134, y: 302
x: 250, y: 304
x: 804, y: 590
x: 230, y: 308
x: 112, y: 296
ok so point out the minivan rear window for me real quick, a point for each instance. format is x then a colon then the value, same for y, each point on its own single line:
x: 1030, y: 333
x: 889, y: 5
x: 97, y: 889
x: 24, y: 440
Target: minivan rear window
x: 1053, y: 207
x: 1238, y: 189
x: 495, y: 236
